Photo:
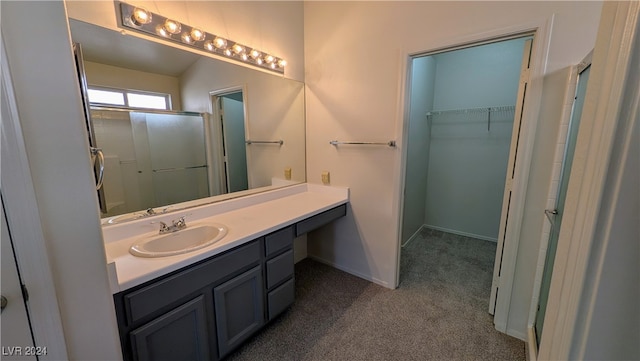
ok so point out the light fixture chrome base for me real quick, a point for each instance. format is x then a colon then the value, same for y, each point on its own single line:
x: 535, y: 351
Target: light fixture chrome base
x: 164, y: 28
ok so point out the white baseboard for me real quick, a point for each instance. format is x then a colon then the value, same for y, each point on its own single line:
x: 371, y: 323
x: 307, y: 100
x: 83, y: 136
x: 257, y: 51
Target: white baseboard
x: 351, y: 271
x: 413, y: 236
x: 484, y: 238
x: 532, y: 345
x: 517, y: 334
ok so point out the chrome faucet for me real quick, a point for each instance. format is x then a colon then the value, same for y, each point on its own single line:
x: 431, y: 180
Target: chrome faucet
x: 176, y: 225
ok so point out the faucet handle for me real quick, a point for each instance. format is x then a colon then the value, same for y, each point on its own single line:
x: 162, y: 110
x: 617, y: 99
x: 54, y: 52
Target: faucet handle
x: 180, y: 222
x: 163, y: 227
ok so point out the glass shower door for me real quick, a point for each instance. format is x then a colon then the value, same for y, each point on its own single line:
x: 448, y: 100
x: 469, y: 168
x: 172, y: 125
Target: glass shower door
x: 556, y: 218
x: 177, y: 153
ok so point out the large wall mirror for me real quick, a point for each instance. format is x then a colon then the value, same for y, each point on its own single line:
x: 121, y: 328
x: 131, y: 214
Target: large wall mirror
x: 229, y: 131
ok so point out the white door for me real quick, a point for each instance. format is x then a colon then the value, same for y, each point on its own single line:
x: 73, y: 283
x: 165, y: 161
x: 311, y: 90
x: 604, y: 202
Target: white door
x: 506, y: 200
x: 15, y: 330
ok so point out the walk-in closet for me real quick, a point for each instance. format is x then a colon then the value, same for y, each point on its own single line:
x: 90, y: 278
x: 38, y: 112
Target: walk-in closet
x: 462, y: 108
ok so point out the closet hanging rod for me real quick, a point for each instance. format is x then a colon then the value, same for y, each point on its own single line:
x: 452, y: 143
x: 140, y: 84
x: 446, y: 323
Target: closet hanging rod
x: 281, y: 142
x: 391, y: 143
x: 473, y: 110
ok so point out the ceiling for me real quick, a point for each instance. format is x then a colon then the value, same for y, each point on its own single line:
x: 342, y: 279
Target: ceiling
x: 110, y: 47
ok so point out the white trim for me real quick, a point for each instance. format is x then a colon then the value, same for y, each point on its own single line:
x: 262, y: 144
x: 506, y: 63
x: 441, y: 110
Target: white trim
x: 516, y: 334
x: 351, y: 271
x: 24, y: 220
x: 531, y: 345
x: 413, y: 236
x: 403, y: 102
x: 460, y: 233
x: 611, y: 62
x: 214, y: 96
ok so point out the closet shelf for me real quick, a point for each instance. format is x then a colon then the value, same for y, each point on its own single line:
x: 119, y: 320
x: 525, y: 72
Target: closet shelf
x: 473, y: 110
x: 472, y: 114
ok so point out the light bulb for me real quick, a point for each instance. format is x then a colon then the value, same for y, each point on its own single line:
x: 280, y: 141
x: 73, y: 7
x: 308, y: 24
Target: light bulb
x: 160, y: 30
x: 273, y: 65
x: 259, y: 61
x: 255, y: 54
x: 282, y: 63
x: 269, y: 59
x: 172, y: 26
x: 209, y: 45
x: 219, y: 43
x: 186, y: 38
x: 140, y: 16
x: 227, y: 52
x: 237, y: 48
x: 244, y: 56
x: 197, y: 34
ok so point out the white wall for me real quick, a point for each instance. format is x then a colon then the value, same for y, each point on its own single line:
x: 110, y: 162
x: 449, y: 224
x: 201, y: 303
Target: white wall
x: 478, y: 77
x: 614, y: 328
x: 274, y: 110
x: 422, y: 82
x: 355, y: 56
x: 51, y: 115
x: 468, y: 158
x: 610, y: 308
x: 116, y: 77
x: 273, y: 27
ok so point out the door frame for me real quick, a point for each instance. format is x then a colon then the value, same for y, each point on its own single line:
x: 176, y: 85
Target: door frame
x: 215, y: 96
x: 570, y: 300
x: 541, y: 30
x: 24, y: 220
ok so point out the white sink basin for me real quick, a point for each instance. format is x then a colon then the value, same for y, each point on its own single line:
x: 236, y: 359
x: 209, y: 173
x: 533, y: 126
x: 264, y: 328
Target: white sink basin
x: 187, y: 240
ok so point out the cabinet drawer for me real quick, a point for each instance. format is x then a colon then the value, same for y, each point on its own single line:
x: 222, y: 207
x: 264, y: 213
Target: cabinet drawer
x: 278, y: 241
x: 279, y: 268
x: 281, y: 298
x: 321, y: 219
x: 156, y: 296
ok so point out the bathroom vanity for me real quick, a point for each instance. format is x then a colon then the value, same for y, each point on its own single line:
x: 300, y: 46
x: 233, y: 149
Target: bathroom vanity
x: 201, y: 305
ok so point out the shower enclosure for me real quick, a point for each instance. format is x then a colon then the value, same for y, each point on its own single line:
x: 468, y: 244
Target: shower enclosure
x: 151, y: 158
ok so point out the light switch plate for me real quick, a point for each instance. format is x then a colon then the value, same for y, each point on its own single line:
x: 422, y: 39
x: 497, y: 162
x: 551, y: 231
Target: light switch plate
x: 287, y: 173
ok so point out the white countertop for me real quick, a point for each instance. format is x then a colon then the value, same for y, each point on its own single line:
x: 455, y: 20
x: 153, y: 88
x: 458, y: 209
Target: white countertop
x: 246, y: 218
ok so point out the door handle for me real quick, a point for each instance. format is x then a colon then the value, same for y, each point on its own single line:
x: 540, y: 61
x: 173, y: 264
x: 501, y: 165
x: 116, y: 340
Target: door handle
x: 3, y: 303
x: 99, y: 157
x: 550, y: 213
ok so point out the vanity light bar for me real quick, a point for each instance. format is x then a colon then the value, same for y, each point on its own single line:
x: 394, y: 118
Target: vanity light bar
x: 160, y: 27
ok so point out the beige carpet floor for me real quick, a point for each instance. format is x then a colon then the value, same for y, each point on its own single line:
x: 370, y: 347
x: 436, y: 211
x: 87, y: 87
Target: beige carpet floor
x: 439, y: 311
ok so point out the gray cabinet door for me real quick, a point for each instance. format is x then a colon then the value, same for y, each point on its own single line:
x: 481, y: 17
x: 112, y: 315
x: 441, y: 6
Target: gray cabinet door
x: 239, y: 309
x: 180, y: 334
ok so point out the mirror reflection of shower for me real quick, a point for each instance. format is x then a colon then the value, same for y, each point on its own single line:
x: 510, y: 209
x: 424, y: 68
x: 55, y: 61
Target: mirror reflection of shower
x: 153, y: 159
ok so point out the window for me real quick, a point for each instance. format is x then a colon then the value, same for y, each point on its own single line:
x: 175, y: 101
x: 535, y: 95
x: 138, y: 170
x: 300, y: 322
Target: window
x: 129, y: 98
